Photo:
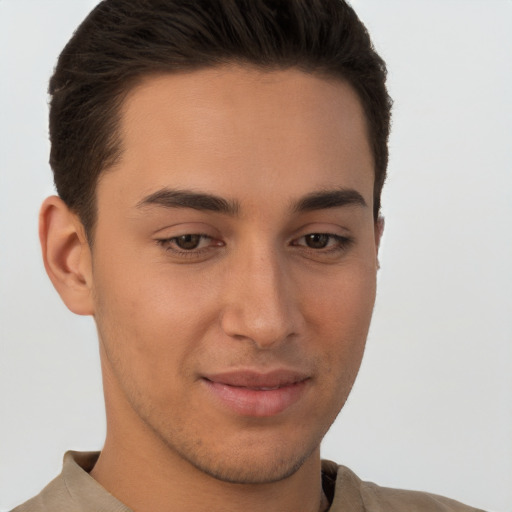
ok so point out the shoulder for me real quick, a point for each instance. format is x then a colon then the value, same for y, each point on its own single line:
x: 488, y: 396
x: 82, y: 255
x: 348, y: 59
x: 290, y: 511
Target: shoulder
x: 352, y: 493
x: 74, y: 490
x: 384, y: 498
x: 53, y: 498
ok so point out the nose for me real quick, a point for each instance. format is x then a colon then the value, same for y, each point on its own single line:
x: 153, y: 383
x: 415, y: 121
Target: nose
x: 260, y: 301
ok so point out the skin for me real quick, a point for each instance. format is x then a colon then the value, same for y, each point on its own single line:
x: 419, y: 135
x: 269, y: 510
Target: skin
x: 257, y: 293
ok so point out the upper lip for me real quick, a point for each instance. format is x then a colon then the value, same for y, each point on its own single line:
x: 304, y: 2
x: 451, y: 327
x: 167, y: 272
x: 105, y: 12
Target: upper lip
x: 255, y: 379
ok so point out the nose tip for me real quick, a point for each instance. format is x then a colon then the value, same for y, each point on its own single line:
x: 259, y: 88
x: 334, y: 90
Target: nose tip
x: 263, y: 330
x: 261, y: 307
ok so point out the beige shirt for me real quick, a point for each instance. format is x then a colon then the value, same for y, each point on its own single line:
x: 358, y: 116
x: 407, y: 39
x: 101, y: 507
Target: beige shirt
x: 74, y: 490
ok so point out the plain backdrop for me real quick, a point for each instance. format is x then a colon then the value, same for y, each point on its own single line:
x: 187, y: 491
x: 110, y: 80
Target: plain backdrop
x: 432, y: 406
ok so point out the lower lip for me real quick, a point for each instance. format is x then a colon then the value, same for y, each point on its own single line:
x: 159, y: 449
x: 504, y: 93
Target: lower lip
x: 255, y: 402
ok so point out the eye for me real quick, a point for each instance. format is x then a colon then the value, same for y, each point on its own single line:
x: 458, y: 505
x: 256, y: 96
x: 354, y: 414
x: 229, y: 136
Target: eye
x: 323, y: 242
x: 317, y: 240
x: 189, y: 244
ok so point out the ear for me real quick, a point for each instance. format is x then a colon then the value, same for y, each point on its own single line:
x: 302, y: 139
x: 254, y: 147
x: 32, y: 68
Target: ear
x: 379, y: 229
x: 66, y: 255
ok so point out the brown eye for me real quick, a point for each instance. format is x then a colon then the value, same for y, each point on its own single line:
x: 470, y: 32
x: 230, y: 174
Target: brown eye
x: 188, y: 242
x: 317, y: 240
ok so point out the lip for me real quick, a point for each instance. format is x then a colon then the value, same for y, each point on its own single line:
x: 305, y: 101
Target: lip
x: 252, y: 393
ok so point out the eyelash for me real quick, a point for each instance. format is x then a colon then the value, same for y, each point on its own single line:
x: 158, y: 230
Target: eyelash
x: 342, y: 243
x: 165, y: 243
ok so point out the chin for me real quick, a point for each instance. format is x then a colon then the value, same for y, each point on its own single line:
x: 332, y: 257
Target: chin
x: 248, y: 459
x: 249, y: 469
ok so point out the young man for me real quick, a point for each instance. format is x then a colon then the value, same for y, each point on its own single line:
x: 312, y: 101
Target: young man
x: 219, y: 168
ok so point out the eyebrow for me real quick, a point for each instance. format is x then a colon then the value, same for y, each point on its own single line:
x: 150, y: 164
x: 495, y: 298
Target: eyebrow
x: 320, y: 200
x: 169, y: 198
x: 329, y: 199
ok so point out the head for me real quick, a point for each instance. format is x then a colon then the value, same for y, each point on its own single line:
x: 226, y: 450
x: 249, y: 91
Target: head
x: 226, y: 159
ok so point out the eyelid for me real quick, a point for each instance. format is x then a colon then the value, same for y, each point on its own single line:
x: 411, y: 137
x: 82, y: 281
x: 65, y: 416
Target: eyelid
x: 321, y: 226
x: 184, y: 228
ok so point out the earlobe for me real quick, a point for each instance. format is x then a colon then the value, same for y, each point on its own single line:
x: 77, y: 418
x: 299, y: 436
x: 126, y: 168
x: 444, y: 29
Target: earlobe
x: 66, y: 255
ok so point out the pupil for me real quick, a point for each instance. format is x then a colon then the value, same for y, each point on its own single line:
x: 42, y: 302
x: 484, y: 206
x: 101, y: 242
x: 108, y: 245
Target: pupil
x: 188, y: 242
x: 317, y: 241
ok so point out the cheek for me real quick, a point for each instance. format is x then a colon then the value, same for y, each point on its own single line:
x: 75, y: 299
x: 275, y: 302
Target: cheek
x: 340, y: 319
x: 343, y: 304
x: 149, y: 322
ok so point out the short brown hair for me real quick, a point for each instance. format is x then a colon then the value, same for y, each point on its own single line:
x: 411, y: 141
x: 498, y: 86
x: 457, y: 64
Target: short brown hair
x: 122, y: 41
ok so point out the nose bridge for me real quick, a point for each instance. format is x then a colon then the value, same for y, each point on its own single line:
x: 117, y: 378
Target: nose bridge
x: 260, y: 305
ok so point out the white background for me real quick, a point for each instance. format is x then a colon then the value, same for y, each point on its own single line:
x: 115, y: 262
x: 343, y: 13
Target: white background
x: 432, y: 407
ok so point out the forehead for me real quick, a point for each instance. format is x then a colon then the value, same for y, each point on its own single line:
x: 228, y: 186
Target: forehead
x: 220, y: 128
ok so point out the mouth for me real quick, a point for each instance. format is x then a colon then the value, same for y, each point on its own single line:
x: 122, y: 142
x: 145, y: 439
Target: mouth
x: 250, y: 393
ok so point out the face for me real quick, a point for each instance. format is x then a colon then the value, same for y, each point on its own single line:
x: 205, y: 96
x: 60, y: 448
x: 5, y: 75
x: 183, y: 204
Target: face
x: 234, y: 266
